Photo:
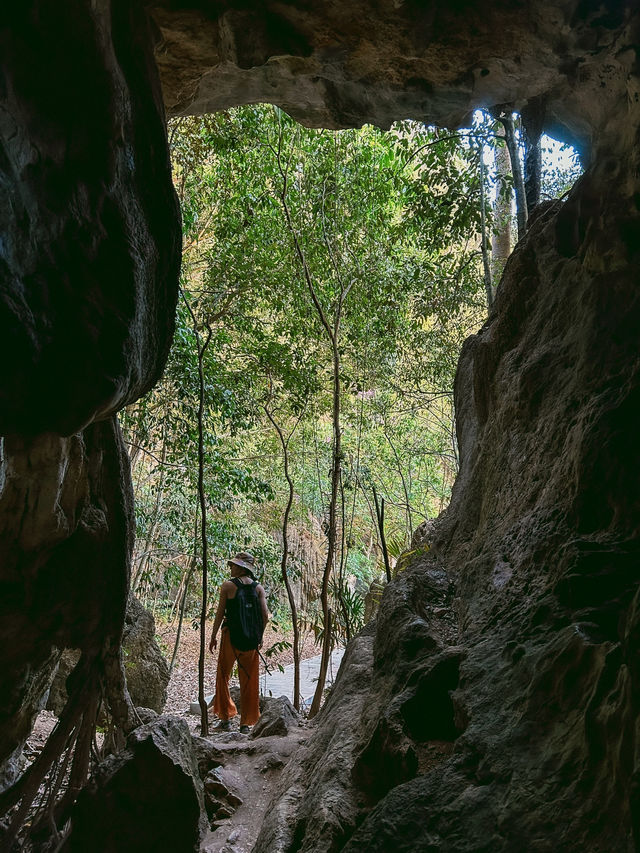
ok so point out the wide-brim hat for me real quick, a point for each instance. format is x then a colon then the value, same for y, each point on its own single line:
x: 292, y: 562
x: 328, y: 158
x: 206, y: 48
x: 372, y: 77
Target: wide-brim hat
x: 246, y: 561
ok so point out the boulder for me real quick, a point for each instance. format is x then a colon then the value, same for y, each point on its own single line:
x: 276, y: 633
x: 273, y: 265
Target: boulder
x: 144, y: 664
x: 277, y: 717
x: 57, y: 698
x: 224, y: 792
x: 145, y: 667
x: 423, y: 535
x: 227, y: 785
x: 147, y: 798
x: 372, y: 599
x: 315, y: 798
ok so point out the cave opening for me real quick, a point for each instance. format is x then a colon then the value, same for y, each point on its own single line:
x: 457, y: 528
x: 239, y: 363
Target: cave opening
x: 544, y: 398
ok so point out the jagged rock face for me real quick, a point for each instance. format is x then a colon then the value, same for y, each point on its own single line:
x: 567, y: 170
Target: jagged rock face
x: 90, y: 246
x: 66, y: 507
x: 89, y: 259
x: 523, y: 618
x: 144, y: 664
x: 536, y: 689
x: 148, y: 798
x: 336, y: 64
x: 146, y: 670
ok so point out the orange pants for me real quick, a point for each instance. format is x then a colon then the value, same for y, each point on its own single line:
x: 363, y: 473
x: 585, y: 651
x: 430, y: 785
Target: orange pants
x: 248, y: 674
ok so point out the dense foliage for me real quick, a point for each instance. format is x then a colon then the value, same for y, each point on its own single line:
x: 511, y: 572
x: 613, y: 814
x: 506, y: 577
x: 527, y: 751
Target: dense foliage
x: 284, y: 225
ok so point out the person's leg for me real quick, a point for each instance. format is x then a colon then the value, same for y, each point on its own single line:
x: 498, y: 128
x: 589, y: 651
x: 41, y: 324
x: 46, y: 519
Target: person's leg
x: 223, y: 704
x: 248, y: 673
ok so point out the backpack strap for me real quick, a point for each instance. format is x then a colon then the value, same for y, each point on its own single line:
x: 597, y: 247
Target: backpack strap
x: 239, y: 583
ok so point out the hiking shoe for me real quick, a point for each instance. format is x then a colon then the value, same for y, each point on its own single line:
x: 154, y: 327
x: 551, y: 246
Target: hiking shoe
x: 244, y: 730
x: 223, y: 726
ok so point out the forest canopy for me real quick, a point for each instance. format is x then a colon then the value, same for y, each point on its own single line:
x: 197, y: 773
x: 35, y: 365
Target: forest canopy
x: 328, y: 282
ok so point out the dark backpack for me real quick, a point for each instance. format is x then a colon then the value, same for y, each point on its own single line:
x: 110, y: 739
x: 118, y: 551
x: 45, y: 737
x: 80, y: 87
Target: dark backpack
x: 244, y: 617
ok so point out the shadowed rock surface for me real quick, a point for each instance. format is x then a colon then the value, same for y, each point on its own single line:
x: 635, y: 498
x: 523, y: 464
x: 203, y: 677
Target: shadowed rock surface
x: 148, y: 797
x: 277, y: 717
x: 144, y: 664
x: 89, y: 259
x: 90, y: 227
x: 336, y: 64
x: 145, y: 668
x: 497, y: 708
x: 66, y: 507
x: 538, y: 553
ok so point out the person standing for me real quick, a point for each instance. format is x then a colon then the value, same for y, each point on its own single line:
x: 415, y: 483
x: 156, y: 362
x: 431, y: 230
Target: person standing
x: 242, y: 612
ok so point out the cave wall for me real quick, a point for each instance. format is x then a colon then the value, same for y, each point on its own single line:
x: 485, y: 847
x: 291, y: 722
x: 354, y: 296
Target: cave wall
x: 89, y: 261
x: 90, y: 225
x: 499, y: 706
x: 335, y: 64
x: 497, y: 701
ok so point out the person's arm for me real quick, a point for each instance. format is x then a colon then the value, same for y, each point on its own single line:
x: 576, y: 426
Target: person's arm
x: 222, y: 603
x: 263, y: 607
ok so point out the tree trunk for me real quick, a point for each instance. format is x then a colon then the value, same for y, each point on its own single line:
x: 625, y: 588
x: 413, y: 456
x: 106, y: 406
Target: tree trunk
x: 332, y: 531
x: 145, y: 558
x: 501, y: 242
x: 506, y: 119
x: 202, y: 348
x: 204, y: 711
x: 190, y: 571
x: 343, y: 556
x: 532, y: 124
x: 488, y: 284
x: 285, y: 556
x: 383, y: 541
x: 333, y: 337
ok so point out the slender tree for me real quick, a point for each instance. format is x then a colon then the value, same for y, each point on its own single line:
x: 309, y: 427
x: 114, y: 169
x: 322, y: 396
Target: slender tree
x: 486, y: 265
x: 284, y: 444
x: 332, y: 330
x: 501, y: 241
x: 505, y: 116
x: 202, y: 343
x: 532, y: 115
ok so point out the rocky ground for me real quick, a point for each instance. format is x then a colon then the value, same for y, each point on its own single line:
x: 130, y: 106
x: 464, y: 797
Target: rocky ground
x: 245, y: 769
x: 242, y: 787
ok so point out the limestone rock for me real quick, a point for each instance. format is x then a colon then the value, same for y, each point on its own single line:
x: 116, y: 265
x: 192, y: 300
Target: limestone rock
x: 66, y: 510
x: 424, y: 534
x: 372, y: 600
x: 272, y: 761
x: 336, y: 65
x: 147, y: 798
x: 90, y: 253
x: 88, y: 214
x: 145, y: 668
x: 144, y: 664
x: 146, y: 715
x: 277, y: 716
x: 513, y: 637
x: 57, y: 698
x: 224, y: 792
x: 206, y: 754
x: 316, y: 799
x: 227, y: 785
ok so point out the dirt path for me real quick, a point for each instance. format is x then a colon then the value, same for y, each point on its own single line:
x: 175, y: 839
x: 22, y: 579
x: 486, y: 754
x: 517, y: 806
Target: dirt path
x: 253, y: 767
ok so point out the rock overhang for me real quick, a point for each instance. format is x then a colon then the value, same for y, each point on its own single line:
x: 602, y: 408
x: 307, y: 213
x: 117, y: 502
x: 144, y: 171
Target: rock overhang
x: 339, y: 65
